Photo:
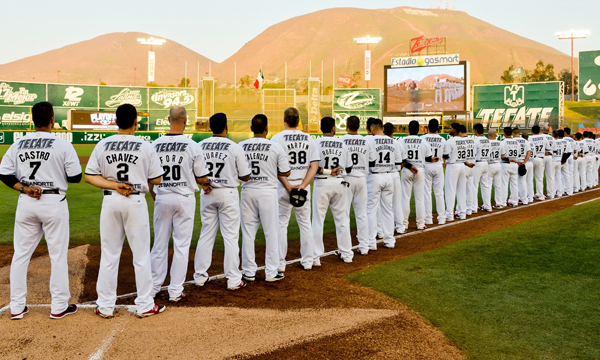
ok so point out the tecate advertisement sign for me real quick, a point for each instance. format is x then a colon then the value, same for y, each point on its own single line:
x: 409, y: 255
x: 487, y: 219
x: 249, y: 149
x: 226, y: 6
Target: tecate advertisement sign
x: 425, y: 60
x: 522, y: 105
x: 589, y: 75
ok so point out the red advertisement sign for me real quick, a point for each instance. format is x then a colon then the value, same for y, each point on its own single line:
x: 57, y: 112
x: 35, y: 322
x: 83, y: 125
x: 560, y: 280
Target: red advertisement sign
x: 345, y: 80
x: 419, y: 43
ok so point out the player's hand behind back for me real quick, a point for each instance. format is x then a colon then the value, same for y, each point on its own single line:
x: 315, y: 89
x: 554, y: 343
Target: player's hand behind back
x: 206, y: 187
x: 335, y: 171
x: 33, y: 191
x: 124, y: 189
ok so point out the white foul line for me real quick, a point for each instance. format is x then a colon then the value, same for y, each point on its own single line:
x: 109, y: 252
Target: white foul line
x: 585, y: 202
x: 105, y: 345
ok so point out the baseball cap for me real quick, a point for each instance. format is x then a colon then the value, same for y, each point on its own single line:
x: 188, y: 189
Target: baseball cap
x: 298, y: 197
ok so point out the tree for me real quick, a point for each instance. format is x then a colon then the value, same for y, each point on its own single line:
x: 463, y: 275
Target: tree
x: 565, y: 76
x: 541, y: 73
x: 185, y: 82
x: 102, y: 83
x: 245, y: 81
x: 506, y: 78
x: 152, y: 84
x: 356, y: 77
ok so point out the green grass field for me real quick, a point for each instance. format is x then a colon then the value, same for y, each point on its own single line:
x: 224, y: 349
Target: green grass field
x: 582, y: 110
x: 529, y: 291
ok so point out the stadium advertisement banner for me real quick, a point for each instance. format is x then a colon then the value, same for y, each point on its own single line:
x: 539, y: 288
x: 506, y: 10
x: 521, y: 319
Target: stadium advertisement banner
x: 73, y: 95
x: 426, y: 60
x: 158, y: 120
x: 15, y: 117
x: 166, y: 98
x: 523, y: 105
x: 589, y: 75
x: 111, y: 97
x: 94, y: 137
x: 24, y: 94
x: 364, y: 103
x: 314, y: 102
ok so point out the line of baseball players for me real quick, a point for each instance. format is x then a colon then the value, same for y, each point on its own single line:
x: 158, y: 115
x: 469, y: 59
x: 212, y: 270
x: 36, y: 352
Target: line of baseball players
x: 275, y: 176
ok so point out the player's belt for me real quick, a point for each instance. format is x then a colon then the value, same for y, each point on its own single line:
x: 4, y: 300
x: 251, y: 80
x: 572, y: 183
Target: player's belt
x: 51, y: 191
x: 110, y: 192
x: 481, y: 161
x: 381, y: 172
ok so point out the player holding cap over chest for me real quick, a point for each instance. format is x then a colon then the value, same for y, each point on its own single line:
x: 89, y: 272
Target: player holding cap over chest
x: 523, y: 159
x: 330, y: 190
x: 260, y: 204
x: 175, y: 202
x: 122, y: 165
x: 417, y: 152
x: 303, y: 157
x: 220, y: 203
x: 40, y: 165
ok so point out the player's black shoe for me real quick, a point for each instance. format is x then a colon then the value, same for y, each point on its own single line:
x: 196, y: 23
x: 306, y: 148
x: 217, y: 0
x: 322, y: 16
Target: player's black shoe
x: 71, y: 309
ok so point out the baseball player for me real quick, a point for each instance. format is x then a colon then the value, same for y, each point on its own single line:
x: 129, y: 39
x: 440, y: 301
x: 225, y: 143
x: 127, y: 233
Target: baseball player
x: 509, y: 152
x: 471, y: 192
x: 434, y: 175
x: 579, y: 179
x: 557, y: 154
x: 538, y: 144
x: 220, y: 204
x: 529, y: 167
x: 480, y: 171
x: 573, y: 173
x: 495, y: 171
x: 260, y: 204
x: 40, y: 165
x: 597, y: 144
x: 567, y: 151
x: 331, y: 191
x: 549, y: 163
x: 361, y: 154
x: 589, y: 149
x: 175, y: 203
x: 380, y: 185
x: 522, y: 159
x: 399, y: 225
x: 379, y: 227
x: 417, y: 152
x: 122, y: 165
x: 455, y: 154
x: 304, y: 162
x: 438, y: 91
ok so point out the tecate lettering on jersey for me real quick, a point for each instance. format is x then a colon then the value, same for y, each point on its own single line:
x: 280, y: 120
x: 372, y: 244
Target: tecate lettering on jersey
x: 122, y: 146
x: 43, y: 143
x: 256, y: 147
x: 121, y: 157
x: 171, y: 147
x: 215, y: 146
x: 296, y: 137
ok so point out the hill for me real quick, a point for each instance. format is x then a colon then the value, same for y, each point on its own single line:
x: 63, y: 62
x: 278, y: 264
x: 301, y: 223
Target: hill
x: 110, y: 58
x: 327, y: 36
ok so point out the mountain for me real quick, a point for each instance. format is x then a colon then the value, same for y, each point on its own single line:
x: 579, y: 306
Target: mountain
x: 327, y: 36
x: 109, y: 58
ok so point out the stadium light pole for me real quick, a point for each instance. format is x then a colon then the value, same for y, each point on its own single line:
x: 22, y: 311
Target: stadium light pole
x: 58, y: 75
x: 151, y: 59
x: 367, y: 40
x: 572, y: 35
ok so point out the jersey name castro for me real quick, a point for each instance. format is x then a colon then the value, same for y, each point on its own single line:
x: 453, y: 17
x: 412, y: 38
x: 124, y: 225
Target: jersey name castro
x: 41, y: 159
x: 125, y: 159
x: 266, y: 160
x: 360, y: 154
x: 225, y: 160
x: 182, y: 161
x: 301, y: 151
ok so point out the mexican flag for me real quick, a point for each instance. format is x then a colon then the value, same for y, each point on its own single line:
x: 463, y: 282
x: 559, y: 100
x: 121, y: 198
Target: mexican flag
x: 258, y: 83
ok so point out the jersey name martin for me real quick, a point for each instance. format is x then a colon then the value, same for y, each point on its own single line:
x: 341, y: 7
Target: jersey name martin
x: 43, y: 143
x: 122, y: 146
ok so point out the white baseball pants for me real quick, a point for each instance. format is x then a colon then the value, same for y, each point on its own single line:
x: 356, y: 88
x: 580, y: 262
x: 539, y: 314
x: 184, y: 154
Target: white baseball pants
x: 434, y: 178
x: 331, y: 193
x: 124, y: 216
x: 481, y: 179
x: 576, y: 175
x: 380, y: 190
x: 397, y: 204
x: 173, y: 213
x: 522, y: 181
x: 414, y: 183
x: 582, y: 173
x: 48, y: 216
x: 307, y: 242
x: 538, y: 171
x: 509, y: 179
x: 357, y: 196
x: 456, y: 190
x: 219, y: 209
x: 572, y: 173
x: 471, y: 192
x: 495, y: 178
x: 567, y: 178
x: 260, y: 207
x: 549, y: 172
x: 557, y: 178
x: 529, y: 176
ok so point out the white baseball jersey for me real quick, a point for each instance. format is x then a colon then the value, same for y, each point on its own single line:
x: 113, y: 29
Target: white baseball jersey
x: 334, y: 153
x: 564, y: 146
x: 361, y: 154
x: 494, y: 152
x: 538, y: 144
x: 301, y: 151
x: 125, y: 159
x: 510, y: 148
x: 550, y: 142
x: 559, y: 150
x: 524, y: 148
x: 597, y: 145
x: 573, y: 145
x: 471, y: 149
x: 182, y: 161
x: 225, y: 160
x: 266, y: 160
x: 416, y: 149
x: 456, y: 149
x: 482, y: 148
x: 437, y: 144
x: 589, y: 147
x: 388, y: 157
x: 41, y: 159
